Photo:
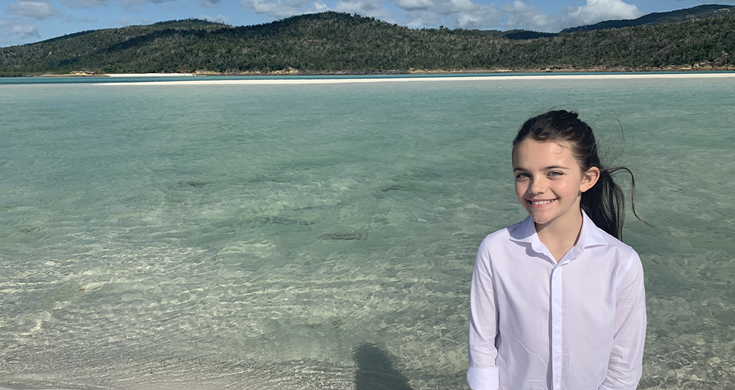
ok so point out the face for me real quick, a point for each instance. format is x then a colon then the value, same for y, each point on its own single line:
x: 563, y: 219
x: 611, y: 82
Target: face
x: 549, y: 183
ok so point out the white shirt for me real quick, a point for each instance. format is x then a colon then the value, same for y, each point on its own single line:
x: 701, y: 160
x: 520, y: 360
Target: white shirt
x: 537, y: 324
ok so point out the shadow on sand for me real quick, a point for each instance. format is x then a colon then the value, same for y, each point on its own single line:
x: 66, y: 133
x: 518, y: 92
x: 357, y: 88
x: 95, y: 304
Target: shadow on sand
x: 375, y: 370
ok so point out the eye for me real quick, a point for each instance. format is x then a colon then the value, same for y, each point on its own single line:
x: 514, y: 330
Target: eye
x: 521, y: 176
x: 555, y: 173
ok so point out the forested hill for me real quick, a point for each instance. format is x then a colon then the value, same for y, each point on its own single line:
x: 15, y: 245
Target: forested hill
x: 333, y: 42
x: 682, y: 15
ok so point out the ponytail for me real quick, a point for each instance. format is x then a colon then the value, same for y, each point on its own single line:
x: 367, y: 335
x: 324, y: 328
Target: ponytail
x: 604, y: 203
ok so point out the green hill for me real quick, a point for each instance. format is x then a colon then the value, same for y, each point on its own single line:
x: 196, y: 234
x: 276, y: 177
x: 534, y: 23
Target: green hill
x: 333, y: 42
x: 682, y: 15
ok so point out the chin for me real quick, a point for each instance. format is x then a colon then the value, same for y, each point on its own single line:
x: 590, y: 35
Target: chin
x: 540, y: 219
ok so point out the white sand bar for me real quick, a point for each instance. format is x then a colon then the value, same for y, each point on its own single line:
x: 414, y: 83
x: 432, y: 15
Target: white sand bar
x: 147, y: 75
x: 286, y: 80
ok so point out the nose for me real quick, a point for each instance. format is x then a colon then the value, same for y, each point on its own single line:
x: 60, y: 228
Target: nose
x: 536, y: 187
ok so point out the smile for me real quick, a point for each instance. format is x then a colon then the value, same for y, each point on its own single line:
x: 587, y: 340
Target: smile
x: 540, y: 202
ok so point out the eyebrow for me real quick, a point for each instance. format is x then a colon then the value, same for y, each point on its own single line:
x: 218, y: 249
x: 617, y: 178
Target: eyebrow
x: 545, y: 168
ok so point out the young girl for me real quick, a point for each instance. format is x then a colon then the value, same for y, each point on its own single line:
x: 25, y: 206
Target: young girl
x: 557, y: 300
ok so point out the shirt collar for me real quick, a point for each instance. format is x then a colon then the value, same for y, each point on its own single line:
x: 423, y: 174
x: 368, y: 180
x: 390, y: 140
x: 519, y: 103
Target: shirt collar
x: 591, y: 235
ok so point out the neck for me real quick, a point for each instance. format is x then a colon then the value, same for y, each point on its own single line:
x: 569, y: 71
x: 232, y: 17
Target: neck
x: 560, y: 236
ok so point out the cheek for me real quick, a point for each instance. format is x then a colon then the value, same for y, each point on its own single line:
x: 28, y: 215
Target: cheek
x: 571, y: 188
x: 520, y: 189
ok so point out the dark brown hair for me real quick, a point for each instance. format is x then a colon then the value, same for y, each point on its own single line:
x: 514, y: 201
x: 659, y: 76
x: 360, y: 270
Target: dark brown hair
x: 604, y: 203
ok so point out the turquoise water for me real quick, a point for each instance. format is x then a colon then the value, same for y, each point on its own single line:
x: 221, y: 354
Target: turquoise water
x: 323, y: 236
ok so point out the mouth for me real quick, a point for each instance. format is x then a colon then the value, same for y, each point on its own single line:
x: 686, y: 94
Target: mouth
x: 540, y: 203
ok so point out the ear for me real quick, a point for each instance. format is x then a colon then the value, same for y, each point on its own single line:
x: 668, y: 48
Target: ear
x: 589, y: 179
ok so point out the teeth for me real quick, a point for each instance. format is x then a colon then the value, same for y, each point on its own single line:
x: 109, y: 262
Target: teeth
x: 541, y: 201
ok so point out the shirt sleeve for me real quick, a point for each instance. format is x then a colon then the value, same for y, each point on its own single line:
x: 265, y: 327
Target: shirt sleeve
x: 626, y: 359
x: 483, y: 372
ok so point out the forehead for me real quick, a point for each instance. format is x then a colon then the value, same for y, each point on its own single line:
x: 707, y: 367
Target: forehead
x: 543, y: 153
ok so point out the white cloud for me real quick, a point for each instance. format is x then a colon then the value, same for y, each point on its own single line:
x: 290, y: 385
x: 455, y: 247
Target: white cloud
x: 275, y: 10
x: 279, y: 9
x: 217, y: 19
x: 600, y: 10
x: 32, y: 9
x: 39, y: 10
x: 373, y: 8
x: 453, y: 13
x: 17, y: 28
x: 460, y: 6
x: 318, y: 6
x: 122, y: 21
x: 467, y: 14
x: 484, y: 17
x: 411, y: 5
x: 521, y: 15
x: 419, y: 22
x: 529, y: 17
x: 209, y: 3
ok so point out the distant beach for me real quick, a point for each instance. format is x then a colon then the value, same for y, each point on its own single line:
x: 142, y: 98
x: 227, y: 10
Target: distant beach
x: 148, y: 74
x: 345, y: 80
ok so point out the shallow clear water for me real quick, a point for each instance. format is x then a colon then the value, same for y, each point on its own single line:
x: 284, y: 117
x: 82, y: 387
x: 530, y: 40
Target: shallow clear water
x: 323, y: 236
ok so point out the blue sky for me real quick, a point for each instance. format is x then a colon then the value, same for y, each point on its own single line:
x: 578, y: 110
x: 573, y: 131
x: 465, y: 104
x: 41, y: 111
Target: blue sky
x: 26, y: 21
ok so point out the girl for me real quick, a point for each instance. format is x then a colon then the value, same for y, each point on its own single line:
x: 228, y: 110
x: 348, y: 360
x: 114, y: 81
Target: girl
x: 557, y: 300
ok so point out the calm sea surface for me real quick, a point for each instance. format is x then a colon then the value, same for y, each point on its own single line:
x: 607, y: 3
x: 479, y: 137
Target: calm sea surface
x: 323, y: 236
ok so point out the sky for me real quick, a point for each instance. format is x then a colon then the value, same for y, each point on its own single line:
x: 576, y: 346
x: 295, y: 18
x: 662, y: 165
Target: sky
x: 27, y: 21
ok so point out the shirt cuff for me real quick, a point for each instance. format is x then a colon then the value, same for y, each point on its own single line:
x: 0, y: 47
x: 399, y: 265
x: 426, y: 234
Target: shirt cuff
x: 483, y: 378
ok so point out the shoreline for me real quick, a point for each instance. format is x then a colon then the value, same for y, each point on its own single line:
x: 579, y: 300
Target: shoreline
x: 697, y: 68
x: 147, y: 75
x: 397, y: 78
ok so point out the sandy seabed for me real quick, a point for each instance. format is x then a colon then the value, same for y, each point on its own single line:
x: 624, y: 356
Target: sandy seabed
x: 347, y: 80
